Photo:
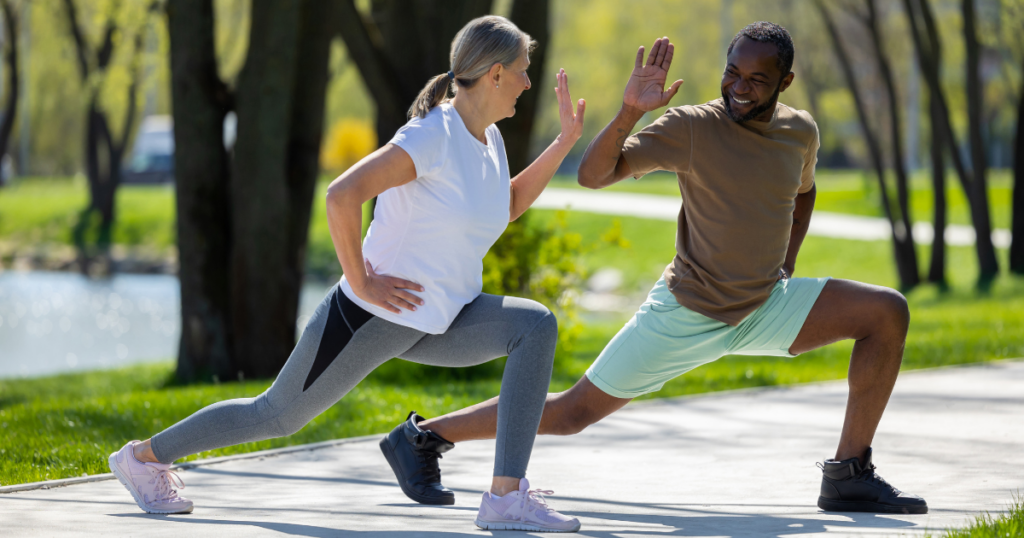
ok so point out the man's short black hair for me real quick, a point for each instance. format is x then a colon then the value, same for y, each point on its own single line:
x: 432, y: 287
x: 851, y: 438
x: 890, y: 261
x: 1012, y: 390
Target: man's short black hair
x: 769, y: 32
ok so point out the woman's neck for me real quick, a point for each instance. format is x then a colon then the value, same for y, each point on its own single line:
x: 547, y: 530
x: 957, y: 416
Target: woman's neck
x: 472, y: 113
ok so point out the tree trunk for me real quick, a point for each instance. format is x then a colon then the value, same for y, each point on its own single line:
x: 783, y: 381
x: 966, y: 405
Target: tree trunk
x: 1017, y: 245
x: 200, y: 101
x: 906, y: 256
x: 937, y: 267
x: 988, y: 264
x: 10, y: 106
x: 280, y: 102
x: 531, y: 16
x: 898, y: 161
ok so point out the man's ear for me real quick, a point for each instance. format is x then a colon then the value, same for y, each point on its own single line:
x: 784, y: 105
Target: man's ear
x: 786, y: 81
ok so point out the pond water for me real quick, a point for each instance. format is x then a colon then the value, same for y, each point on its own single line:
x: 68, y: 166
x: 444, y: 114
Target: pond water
x: 61, y: 322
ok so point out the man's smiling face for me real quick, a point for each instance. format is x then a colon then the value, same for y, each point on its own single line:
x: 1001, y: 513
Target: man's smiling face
x: 753, y: 81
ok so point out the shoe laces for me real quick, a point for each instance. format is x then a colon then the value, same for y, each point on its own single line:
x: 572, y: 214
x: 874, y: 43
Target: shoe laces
x: 534, y: 498
x: 869, y: 474
x: 428, y: 460
x: 167, y: 485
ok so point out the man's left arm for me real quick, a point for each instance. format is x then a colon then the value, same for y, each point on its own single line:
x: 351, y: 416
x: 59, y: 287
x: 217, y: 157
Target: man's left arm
x: 801, y: 222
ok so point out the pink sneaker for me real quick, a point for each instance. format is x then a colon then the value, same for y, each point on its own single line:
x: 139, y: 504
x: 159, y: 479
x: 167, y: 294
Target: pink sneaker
x: 153, y: 485
x: 523, y: 510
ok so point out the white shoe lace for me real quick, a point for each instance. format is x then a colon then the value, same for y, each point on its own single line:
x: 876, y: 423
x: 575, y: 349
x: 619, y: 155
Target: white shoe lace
x: 535, y: 497
x: 167, y: 485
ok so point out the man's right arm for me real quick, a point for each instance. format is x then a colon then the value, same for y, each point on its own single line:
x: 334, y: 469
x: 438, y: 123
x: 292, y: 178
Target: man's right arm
x: 603, y: 163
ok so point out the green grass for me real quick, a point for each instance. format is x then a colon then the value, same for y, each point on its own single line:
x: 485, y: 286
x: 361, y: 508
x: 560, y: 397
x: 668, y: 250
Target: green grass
x: 855, y: 192
x: 1008, y: 525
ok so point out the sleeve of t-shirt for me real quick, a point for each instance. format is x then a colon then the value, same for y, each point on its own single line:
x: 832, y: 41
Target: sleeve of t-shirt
x: 810, y: 161
x: 665, y: 144
x: 426, y: 142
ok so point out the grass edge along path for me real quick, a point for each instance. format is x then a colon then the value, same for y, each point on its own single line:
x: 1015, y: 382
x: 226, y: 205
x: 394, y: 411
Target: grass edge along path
x: 1009, y: 524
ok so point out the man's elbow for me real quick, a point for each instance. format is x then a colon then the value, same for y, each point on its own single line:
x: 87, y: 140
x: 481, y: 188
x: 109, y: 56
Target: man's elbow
x: 587, y: 178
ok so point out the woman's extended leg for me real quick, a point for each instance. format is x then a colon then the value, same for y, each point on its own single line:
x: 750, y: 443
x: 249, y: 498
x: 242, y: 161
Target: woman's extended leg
x: 341, y: 345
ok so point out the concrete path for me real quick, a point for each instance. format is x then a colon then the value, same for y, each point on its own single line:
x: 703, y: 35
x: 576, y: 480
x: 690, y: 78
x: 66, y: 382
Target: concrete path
x: 732, y: 464
x: 825, y: 224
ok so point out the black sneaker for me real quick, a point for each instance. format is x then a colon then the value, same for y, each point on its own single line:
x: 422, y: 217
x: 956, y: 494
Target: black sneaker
x: 849, y: 486
x: 413, y: 454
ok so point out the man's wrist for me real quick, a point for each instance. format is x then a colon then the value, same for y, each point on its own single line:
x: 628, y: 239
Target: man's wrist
x: 630, y: 114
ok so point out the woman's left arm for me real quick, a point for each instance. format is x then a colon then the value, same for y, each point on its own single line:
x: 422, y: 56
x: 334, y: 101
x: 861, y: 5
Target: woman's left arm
x: 527, y: 186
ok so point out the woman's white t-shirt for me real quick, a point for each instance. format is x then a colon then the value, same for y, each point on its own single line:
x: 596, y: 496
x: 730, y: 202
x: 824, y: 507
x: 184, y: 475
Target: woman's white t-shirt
x: 436, y: 229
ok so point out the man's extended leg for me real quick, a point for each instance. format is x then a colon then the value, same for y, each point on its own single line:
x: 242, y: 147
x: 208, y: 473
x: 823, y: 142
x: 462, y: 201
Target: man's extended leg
x: 565, y: 413
x: 877, y: 318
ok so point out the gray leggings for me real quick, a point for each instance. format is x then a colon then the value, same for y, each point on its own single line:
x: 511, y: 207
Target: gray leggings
x: 343, y: 343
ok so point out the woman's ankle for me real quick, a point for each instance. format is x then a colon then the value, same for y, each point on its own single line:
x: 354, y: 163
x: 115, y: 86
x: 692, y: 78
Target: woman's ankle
x: 144, y: 452
x: 503, y: 485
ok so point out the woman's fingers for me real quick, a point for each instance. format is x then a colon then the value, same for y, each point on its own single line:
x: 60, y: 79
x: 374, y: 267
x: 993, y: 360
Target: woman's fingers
x: 408, y: 298
x: 581, y: 107
x: 369, y: 268
x: 399, y: 283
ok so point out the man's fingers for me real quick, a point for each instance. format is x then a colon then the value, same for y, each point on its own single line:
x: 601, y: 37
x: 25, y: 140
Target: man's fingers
x: 639, y: 58
x: 654, y: 52
x: 667, y: 62
x: 660, y: 58
x: 668, y: 95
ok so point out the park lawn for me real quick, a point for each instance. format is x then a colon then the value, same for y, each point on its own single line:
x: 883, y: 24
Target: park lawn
x: 856, y: 192
x: 63, y: 426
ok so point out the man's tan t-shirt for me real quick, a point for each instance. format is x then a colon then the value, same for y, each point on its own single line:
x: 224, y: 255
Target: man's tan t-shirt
x: 739, y: 183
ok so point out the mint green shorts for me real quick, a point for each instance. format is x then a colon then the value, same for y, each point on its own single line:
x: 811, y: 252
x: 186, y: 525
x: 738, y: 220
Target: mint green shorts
x: 664, y: 340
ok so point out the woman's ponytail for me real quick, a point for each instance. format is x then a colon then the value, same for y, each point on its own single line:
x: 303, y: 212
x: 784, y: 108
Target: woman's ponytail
x: 433, y: 94
x: 479, y: 45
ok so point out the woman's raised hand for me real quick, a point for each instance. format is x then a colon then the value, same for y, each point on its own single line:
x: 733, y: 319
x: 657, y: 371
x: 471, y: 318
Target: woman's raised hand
x: 646, y: 87
x: 572, y: 124
x: 388, y: 291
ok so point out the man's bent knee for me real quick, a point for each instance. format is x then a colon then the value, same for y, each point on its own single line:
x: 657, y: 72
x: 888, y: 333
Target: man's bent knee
x: 894, y: 312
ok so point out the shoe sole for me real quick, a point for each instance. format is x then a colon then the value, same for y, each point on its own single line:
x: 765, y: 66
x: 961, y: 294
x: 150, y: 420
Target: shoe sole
x: 124, y: 482
x: 832, y: 505
x: 389, y: 455
x: 518, y: 526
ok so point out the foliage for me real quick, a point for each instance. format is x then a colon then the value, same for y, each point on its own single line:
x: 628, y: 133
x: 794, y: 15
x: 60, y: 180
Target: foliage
x: 348, y: 141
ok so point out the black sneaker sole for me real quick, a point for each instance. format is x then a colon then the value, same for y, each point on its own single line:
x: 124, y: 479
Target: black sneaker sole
x: 389, y: 455
x: 832, y: 505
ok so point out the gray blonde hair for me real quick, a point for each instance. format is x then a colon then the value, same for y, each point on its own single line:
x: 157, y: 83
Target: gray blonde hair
x: 479, y: 45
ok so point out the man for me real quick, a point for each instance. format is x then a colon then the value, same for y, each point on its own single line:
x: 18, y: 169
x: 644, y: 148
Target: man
x: 745, y: 165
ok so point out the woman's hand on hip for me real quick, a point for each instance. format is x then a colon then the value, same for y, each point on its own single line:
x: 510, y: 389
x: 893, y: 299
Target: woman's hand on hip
x: 572, y: 124
x: 388, y: 292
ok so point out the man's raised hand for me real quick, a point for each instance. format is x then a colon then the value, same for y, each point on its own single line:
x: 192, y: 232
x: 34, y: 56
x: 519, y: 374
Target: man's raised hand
x: 646, y: 87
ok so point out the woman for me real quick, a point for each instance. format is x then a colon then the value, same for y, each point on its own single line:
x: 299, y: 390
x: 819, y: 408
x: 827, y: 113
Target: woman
x: 412, y: 289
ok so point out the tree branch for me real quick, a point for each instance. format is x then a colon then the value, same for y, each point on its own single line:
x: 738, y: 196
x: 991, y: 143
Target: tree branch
x: 81, y: 47
x: 368, y: 59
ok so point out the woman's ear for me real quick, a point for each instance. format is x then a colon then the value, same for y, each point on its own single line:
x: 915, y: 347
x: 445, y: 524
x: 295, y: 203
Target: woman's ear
x: 495, y: 74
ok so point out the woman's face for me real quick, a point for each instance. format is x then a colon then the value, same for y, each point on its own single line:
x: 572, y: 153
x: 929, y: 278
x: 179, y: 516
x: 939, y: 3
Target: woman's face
x: 512, y: 81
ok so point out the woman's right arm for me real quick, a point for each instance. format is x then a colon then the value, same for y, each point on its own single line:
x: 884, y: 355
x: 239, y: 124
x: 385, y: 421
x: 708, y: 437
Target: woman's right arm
x: 389, y: 166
